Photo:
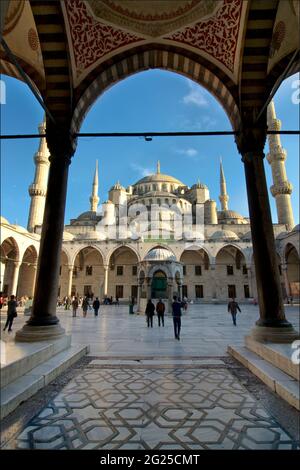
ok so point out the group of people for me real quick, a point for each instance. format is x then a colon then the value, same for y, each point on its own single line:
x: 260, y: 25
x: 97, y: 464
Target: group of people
x: 160, y: 308
x: 86, y: 305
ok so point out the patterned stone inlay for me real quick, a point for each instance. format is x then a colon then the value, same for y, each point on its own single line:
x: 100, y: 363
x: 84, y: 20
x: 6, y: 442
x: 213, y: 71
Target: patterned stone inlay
x: 153, y: 408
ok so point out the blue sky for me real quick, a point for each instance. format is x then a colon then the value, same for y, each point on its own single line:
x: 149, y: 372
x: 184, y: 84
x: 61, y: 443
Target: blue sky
x: 149, y: 101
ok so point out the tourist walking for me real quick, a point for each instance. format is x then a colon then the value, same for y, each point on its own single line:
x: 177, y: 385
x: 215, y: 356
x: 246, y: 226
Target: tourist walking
x: 74, y: 306
x: 150, y: 309
x: 176, y: 312
x: 96, y: 306
x: 233, y: 307
x: 160, y: 310
x: 85, y: 306
x: 11, y: 313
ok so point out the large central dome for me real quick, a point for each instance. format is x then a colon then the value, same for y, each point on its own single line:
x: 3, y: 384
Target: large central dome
x: 159, y: 178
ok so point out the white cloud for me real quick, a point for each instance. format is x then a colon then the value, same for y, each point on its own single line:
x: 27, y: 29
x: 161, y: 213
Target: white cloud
x: 190, y: 152
x: 143, y: 171
x: 195, y: 95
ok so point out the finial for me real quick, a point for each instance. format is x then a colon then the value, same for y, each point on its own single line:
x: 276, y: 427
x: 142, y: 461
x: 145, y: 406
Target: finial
x: 158, y: 167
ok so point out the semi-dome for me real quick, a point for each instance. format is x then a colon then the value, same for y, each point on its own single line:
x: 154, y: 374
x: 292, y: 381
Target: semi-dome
x: 88, y: 215
x: 67, y: 236
x: 160, y: 254
x: 224, y: 235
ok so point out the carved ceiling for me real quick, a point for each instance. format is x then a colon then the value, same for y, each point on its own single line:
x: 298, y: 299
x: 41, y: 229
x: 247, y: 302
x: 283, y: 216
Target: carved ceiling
x: 98, y: 29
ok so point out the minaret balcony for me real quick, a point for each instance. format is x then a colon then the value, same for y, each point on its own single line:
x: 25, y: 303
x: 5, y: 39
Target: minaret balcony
x: 35, y: 190
x: 283, y: 188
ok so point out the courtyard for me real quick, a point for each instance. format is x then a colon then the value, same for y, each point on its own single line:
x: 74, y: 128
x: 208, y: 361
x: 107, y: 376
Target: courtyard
x: 139, y: 388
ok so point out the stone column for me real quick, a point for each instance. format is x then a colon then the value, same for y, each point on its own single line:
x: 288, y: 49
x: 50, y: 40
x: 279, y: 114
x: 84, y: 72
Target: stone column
x: 15, y: 278
x: 272, y: 324
x: 34, y: 279
x: 250, y: 280
x: 43, y: 323
x: 212, y: 268
x: 286, y: 280
x: 70, y: 280
x: 2, y: 274
x: 105, y: 281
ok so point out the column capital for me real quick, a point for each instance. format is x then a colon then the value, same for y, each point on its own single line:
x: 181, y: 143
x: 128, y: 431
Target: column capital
x: 251, y: 138
x: 60, y: 142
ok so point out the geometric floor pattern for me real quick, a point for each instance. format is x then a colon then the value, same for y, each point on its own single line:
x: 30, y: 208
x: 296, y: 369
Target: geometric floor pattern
x: 153, y: 407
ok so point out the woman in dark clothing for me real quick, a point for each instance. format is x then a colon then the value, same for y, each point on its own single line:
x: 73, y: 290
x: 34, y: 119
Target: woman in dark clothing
x: 150, y: 309
x: 11, y: 312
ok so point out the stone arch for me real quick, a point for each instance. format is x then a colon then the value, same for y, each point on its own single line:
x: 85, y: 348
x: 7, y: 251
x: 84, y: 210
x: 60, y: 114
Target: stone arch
x: 88, y: 272
x: 164, y: 57
x: 196, y: 273
x: 27, y: 272
x: 292, y: 262
x: 114, y: 249
x: 231, y: 273
x: 10, y: 256
x: 79, y: 249
x: 123, y: 272
x: 159, y: 267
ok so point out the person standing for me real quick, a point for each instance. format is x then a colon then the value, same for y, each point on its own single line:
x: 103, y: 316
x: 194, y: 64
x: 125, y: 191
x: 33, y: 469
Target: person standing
x: 150, y: 309
x: 160, y: 310
x: 74, y: 306
x: 11, y: 313
x: 233, y: 307
x: 85, y: 306
x: 1, y: 300
x: 176, y: 312
x: 96, y: 306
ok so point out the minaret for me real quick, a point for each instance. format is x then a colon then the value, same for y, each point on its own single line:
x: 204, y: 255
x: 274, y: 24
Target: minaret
x: 223, y: 191
x: 94, y: 199
x: 38, y: 189
x: 158, y: 167
x: 281, y: 188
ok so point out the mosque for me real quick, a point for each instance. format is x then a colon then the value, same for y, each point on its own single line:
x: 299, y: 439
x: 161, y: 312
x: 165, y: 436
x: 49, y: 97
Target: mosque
x: 155, y: 238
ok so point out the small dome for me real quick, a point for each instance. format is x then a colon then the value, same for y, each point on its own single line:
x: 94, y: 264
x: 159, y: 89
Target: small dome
x: 224, y: 235
x: 117, y: 186
x: 199, y: 185
x: 88, y: 215
x: 296, y: 228
x: 3, y: 220
x: 19, y: 228
x: 230, y: 215
x: 160, y: 254
x: 107, y: 202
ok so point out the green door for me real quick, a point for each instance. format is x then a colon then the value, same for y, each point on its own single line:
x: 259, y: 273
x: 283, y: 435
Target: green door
x: 159, y: 286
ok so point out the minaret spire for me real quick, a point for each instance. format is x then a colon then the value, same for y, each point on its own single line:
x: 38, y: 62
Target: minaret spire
x: 158, y: 167
x: 223, y: 190
x: 38, y: 189
x: 94, y: 199
x: 282, y: 188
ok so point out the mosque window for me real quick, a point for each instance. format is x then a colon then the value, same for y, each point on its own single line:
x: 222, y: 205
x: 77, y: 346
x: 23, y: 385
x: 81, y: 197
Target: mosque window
x: 158, y: 202
x: 120, y: 270
x: 229, y: 268
x: 89, y: 270
x: 245, y: 269
x: 75, y: 271
x: 134, y: 270
x: 164, y: 187
x: 174, y: 201
x: 60, y: 270
x: 154, y: 187
x: 198, y: 270
x: 184, y: 270
x: 167, y: 201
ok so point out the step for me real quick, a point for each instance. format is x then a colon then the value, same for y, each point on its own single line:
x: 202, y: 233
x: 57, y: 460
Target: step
x: 279, y: 355
x: 28, y: 384
x: 20, y: 358
x: 279, y: 382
